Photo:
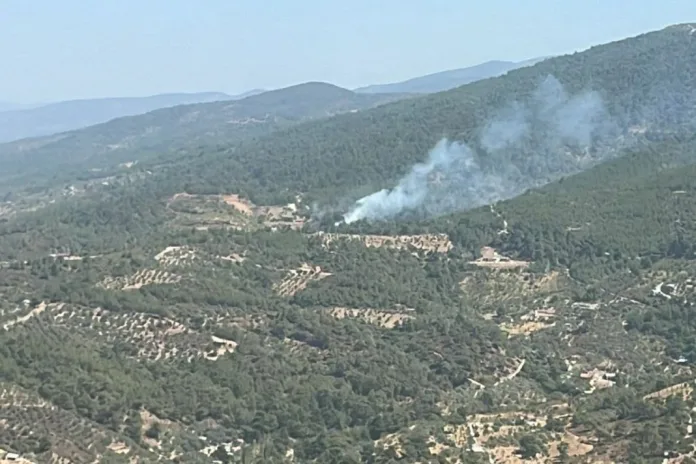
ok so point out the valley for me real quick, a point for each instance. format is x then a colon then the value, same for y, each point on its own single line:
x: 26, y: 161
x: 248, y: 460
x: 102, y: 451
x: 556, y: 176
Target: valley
x: 210, y: 306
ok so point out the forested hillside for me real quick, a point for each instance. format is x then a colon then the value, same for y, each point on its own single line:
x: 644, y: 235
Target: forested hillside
x: 205, y: 313
x: 645, y: 83
x: 293, y: 346
x: 446, y: 80
x: 177, y: 131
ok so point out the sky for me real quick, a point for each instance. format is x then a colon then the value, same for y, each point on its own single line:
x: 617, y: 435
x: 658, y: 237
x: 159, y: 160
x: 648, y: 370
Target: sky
x: 65, y: 49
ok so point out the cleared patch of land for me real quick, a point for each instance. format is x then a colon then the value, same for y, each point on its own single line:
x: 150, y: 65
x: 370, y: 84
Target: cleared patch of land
x: 507, y: 285
x: 176, y: 256
x: 539, y: 319
x: 493, y: 260
x: 140, y: 279
x: 298, y: 279
x: 439, y: 243
x: 145, y: 337
x: 683, y: 390
x: 380, y: 318
x: 498, y: 435
x: 232, y: 211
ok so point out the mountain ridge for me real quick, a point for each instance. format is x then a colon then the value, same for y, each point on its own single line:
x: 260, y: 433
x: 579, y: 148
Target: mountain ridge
x: 183, y: 127
x: 373, y: 149
x: 52, y: 118
x: 449, y: 79
x: 196, y: 309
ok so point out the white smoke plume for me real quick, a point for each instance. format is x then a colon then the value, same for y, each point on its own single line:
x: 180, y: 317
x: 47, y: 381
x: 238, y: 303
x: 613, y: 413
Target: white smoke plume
x: 548, y: 136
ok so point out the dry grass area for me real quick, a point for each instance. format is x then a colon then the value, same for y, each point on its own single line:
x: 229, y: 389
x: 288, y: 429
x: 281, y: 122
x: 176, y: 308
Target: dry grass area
x: 525, y: 328
x: 439, y: 243
x: 206, y: 211
x: 380, y: 318
x: 492, y: 260
x: 297, y: 280
x: 140, y: 279
x: 539, y: 319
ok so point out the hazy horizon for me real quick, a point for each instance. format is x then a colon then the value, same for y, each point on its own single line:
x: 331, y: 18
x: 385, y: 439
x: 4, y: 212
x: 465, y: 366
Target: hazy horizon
x: 75, y: 50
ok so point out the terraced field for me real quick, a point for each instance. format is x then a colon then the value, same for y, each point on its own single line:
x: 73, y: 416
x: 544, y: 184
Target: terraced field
x: 144, y: 337
x: 298, y: 279
x: 437, y: 243
x: 380, y: 318
x: 55, y: 435
x: 140, y: 279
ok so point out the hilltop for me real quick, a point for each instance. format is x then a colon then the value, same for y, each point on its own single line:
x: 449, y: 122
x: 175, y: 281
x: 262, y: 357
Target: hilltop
x: 201, y: 313
x: 344, y: 157
x: 184, y: 127
x: 446, y: 80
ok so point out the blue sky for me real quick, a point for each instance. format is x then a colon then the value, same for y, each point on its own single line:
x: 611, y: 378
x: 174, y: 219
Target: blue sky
x: 61, y: 49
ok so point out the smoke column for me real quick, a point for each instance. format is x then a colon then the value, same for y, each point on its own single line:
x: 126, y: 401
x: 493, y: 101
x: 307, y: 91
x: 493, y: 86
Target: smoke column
x: 527, y: 144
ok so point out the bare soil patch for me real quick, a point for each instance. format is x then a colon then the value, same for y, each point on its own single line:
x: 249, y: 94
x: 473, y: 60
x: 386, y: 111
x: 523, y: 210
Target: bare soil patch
x: 240, y: 204
x: 231, y: 210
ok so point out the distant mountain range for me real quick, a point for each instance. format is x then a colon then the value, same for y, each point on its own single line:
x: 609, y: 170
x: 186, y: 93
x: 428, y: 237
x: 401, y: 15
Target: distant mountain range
x: 168, y: 278
x: 13, y: 106
x: 182, y: 127
x: 18, y: 122
x: 447, y: 80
